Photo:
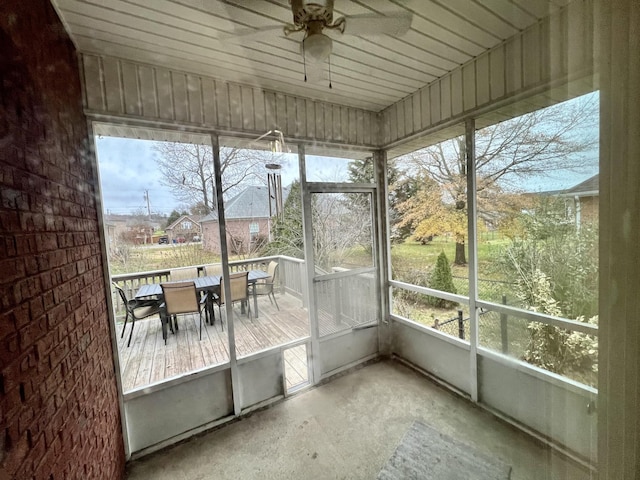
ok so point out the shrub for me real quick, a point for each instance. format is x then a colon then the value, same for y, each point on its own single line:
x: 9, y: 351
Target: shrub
x: 570, y: 263
x: 442, y: 279
x: 556, y: 349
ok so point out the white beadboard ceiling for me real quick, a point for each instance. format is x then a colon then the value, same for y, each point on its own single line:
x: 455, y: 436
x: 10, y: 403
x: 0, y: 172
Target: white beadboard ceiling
x: 367, y: 72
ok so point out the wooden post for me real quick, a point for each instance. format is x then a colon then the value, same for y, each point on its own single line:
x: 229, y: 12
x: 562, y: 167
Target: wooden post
x: 460, y: 325
x: 619, y: 329
x: 503, y: 328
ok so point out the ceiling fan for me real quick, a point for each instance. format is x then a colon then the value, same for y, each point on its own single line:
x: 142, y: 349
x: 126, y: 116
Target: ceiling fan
x: 313, y: 20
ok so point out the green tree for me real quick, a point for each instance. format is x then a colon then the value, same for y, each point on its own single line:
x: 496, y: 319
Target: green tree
x: 287, y: 235
x: 362, y: 170
x: 442, y: 279
x: 401, y: 188
x: 173, y: 216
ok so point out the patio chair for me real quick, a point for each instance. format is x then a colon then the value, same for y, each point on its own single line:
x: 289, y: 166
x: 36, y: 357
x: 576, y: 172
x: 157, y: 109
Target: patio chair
x: 213, y: 270
x: 239, y: 283
x: 180, y: 298
x: 186, y: 273
x: 136, y: 309
x: 265, y: 286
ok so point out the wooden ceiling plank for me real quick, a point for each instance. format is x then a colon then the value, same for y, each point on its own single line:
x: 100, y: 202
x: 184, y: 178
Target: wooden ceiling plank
x: 434, y: 31
x: 482, y: 17
x: 510, y: 12
x: 293, y: 64
x: 540, y: 9
x: 422, y: 22
x: 401, y: 74
x: 436, y: 13
x: 374, y: 71
x: 346, y: 96
x: 262, y: 79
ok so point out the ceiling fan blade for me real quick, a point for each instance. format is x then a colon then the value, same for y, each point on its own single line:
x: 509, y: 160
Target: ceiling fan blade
x: 390, y: 24
x: 253, y: 34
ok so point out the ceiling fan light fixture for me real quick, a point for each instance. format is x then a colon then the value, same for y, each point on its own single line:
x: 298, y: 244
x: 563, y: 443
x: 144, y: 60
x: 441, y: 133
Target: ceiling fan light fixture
x: 316, y: 47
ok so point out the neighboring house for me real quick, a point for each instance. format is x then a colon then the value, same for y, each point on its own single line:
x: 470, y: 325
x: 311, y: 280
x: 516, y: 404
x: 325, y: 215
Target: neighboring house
x: 581, y: 202
x: 110, y: 230
x: 185, y: 229
x: 584, y: 200
x: 247, y: 221
x: 116, y: 229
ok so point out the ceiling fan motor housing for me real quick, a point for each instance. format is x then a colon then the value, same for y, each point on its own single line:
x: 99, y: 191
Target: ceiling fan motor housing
x: 316, y: 11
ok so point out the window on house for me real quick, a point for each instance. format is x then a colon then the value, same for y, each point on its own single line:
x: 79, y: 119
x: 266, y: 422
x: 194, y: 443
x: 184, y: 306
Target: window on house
x: 254, y: 230
x: 186, y: 225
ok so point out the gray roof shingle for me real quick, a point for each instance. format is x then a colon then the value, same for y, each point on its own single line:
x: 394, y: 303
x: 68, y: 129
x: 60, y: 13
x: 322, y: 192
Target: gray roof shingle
x: 252, y: 202
x: 589, y: 186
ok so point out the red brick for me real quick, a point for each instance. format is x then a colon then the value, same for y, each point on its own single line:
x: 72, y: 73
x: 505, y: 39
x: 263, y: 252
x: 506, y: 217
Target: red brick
x: 54, y: 306
x: 9, y: 245
x: 7, y: 324
x: 32, y: 332
x: 9, y: 221
x: 12, y: 270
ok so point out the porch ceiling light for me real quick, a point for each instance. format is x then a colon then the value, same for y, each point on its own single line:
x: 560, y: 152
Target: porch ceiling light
x: 316, y: 47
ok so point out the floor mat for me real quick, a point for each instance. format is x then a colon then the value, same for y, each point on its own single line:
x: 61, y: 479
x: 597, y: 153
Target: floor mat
x: 424, y: 453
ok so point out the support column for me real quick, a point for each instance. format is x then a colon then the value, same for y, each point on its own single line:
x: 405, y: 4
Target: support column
x: 472, y: 242
x: 619, y: 334
x: 384, y: 250
x: 226, y: 282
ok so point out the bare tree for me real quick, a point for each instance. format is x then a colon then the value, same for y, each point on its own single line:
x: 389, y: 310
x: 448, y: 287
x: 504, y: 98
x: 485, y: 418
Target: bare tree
x: 538, y: 143
x: 188, y: 171
x: 338, y: 228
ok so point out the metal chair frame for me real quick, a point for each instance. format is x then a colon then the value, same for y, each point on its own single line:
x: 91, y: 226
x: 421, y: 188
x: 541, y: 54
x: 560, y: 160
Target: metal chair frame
x: 137, y: 309
x: 239, y: 283
x: 265, y: 287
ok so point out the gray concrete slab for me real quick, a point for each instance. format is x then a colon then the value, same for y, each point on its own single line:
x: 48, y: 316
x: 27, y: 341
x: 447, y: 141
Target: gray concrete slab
x: 347, y: 429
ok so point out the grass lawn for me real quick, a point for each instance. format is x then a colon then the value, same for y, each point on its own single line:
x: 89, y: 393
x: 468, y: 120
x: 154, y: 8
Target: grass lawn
x: 413, y: 255
x: 411, y: 263
x: 146, y: 258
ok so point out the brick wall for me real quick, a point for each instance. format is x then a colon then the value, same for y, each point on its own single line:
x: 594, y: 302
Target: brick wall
x: 58, y: 399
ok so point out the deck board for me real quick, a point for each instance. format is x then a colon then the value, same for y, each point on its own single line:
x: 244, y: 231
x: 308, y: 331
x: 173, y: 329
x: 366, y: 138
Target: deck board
x: 158, y: 367
x: 296, y: 370
x: 149, y: 360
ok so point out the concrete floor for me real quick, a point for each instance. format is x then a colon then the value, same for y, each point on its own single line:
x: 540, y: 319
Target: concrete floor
x: 347, y: 429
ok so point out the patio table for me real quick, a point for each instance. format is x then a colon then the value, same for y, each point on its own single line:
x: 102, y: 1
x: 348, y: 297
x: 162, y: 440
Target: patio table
x: 203, y: 284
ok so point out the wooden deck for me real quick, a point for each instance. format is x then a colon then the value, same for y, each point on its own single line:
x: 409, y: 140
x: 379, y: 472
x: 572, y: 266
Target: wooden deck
x: 148, y: 360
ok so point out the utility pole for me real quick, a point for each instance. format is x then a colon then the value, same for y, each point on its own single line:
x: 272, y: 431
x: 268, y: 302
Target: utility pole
x: 146, y: 197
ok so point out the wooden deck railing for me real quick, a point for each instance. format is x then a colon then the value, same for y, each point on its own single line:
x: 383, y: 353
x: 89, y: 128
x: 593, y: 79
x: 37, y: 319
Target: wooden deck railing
x: 347, y: 297
x: 289, y: 279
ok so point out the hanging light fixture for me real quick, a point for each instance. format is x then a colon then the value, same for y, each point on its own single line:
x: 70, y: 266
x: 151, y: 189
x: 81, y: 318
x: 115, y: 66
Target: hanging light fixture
x: 316, y: 47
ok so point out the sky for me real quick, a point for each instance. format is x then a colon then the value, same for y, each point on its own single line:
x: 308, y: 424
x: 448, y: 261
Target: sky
x: 128, y: 170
